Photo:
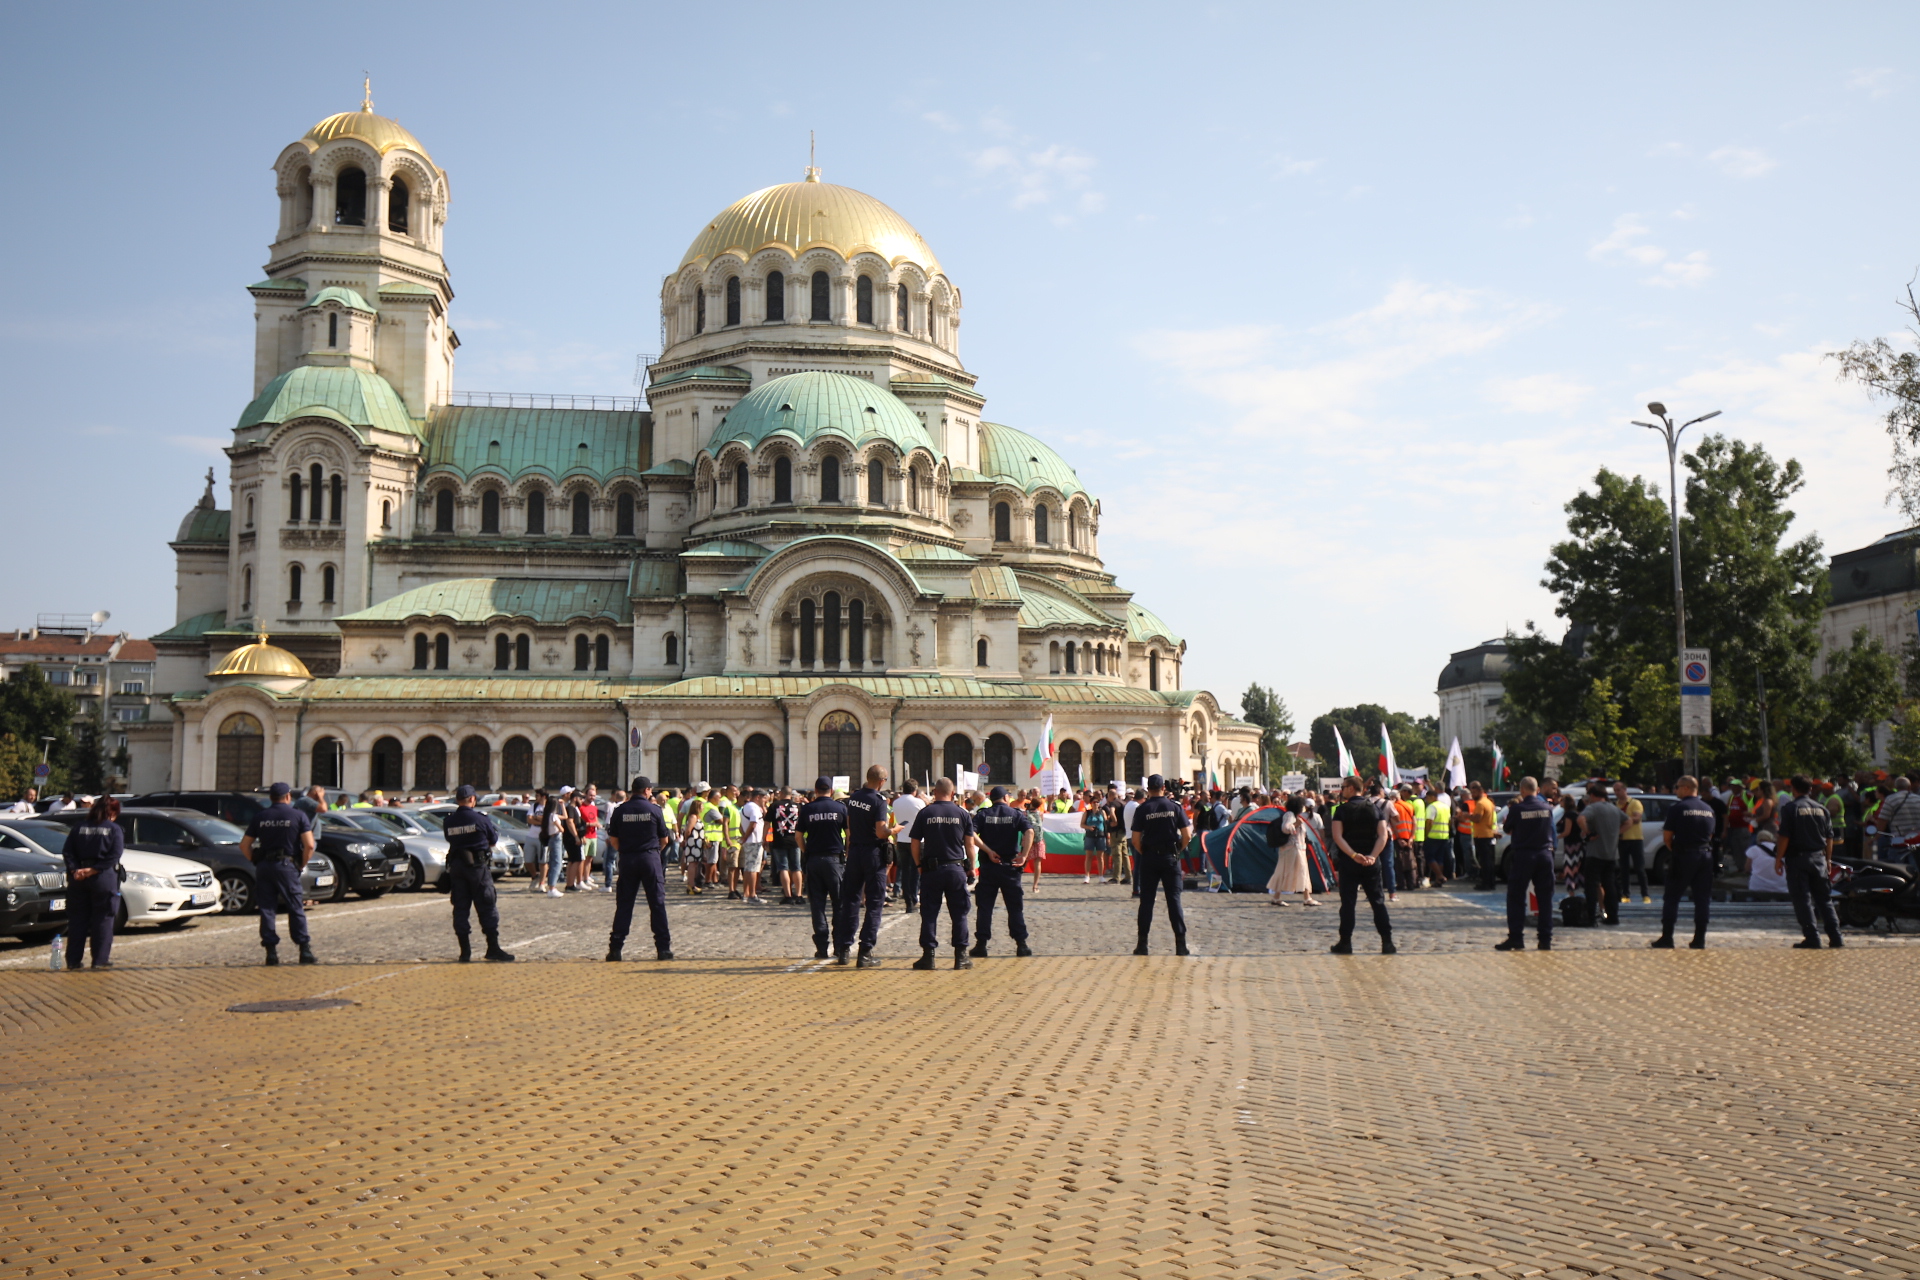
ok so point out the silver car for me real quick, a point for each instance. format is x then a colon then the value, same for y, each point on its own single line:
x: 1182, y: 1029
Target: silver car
x: 509, y: 858
x: 426, y: 846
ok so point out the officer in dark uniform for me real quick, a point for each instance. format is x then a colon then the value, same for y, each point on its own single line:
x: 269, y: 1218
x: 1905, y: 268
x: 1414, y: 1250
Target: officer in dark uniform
x: 1690, y: 825
x: 1160, y: 832
x: 1362, y: 839
x: 1806, y: 842
x: 1006, y: 838
x: 93, y: 883
x: 823, y: 833
x: 1529, y: 824
x: 280, y: 840
x: 942, y: 839
x: 636, y: 830
x: 471, y: 836
x: 869, y: 853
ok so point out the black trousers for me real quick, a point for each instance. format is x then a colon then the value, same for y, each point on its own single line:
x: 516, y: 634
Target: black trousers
x: 999, y: 879
x: 639, y: 871
x: 1483, y: 854
x: 1633, y: 861
x: 1356, y: 879
x: 863, y: 881
x: 909, y: 875
x: 471, y: 889
x: 1160, y: 871
x: 274, y: 881
x: 93, y: 905
x: 943, y: 885
x: 823, y: 885
x: 1603, y: 887
x: 1809, y: 887
x: 1689, y: 872
x: 1529, y: 871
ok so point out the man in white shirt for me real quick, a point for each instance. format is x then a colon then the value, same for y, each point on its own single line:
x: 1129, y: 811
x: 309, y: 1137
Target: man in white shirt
x: 25, y: 803
x: 906, y: 806
x: 753, y: 845
x: 1899, y: 822
x: 1764, y: 873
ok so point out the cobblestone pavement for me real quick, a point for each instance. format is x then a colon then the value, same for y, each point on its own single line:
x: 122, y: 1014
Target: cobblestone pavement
x: 1066, y: 918
x: 1739, y: 1112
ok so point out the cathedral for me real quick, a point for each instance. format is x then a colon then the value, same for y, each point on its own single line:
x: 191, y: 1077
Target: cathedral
x: 803, y: 552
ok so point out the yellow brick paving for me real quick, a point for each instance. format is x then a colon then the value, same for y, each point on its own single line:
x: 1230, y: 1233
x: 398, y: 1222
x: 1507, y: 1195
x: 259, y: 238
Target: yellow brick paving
x: 1738, y: 1113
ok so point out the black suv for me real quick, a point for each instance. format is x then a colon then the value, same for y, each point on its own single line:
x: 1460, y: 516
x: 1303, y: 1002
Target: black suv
x: 33, y: 894
x: 367, y: 862
x: 237, y: 807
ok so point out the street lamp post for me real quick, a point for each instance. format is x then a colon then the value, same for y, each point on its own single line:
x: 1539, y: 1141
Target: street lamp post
x: 1672, y: 435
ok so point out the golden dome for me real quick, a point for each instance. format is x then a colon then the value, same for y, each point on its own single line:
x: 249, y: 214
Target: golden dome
x: 378, y: 132
x: 800, y: 215
x: 261, y: 659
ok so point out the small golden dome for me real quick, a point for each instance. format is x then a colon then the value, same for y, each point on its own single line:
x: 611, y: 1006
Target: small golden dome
x: 378, y: 132
x: 800, y: 215
x: 261, y: 659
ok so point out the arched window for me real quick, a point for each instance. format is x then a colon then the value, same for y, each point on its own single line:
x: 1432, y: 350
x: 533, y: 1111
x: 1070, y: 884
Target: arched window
x: 386, y: 515
x: 856, y: 632
x: 316, y: 492
x: 958, y: 757
x: 830, y: 628
x: 293, y: 584
x: 1002, y: 522
x: 516, y: 764
x: 903, y: 311
x: 502, y: 654
x: 782, y: 480
x: 249, y: 511
x: 1070, y: 761
x: 699, y: 310
x: 443, y: 511
x: 350, y: 198
x: 333, y: 328
x: 1153, y: 669
x: 822, y: 297
x: 806, y: 633
x: 876, y: 483
x: 246, y: 587
x: 582, y: 514
x: 602, y: 653
x: 980, y: 652
x: 383, y: 765
x: 336, y: 498
x: 523, y: 653
x: 998, y: 758
x: 673, y: 761
x: 1102, y: 762
x: 716, y: 760
x: 1100, y: 659
x: 740, y: 485
x: 776, y: 296
x: 476, y: 764
x: 1053, y: 657
x: 296, y: 487
x: 1040, y: 531
x: 442, y: 643
x: 623, y: 516
x: 420, y: 646
x: 326, y: 584
x: 863, y: 300
x: 582, y: 653
x: 603, y: 763
x: 1072, y: 650
x: 397, y: 197
x: 916, y: 758
x: 560, y: 762
x: 326, y: 762
x: 239, y: 754
x: 733, y: 300
x: 830, y: 479
x: 537, y: 511
x: 490, y: 511
x: 673, y: 650
x: 756, y: 761
x: 840, y: 745
x: 1136, y: 762
x: 430, y: 764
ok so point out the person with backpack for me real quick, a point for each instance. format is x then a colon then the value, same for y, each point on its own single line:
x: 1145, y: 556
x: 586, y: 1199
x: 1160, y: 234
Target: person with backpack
x: 784, y: 821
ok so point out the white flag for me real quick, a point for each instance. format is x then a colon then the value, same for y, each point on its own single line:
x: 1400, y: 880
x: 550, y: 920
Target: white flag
x: 1345, y: 763
x: 1456, y: 766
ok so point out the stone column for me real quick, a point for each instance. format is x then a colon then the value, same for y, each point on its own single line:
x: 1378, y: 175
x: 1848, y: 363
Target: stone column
x: 842, y: 628
x: 843, y: 311
x: 796, y: 642
x: 322, y: 203
x: 378, y: 189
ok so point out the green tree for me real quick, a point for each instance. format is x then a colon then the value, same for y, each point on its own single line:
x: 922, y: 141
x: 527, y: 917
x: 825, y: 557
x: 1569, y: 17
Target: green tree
x: 1602, y: 745
x: 1653, y: 711
x: 1263, y: 707
x: 16, y: 767
x: 1903, y: 752
x: 30, y: 710
x: 86, y: 761
x: 1415, y: 742
x: 1894, y: 377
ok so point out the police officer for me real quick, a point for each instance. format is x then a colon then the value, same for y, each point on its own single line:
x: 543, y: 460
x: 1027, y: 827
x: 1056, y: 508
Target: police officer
x: 1529, y: 824
x: 943, y: 838
x: 1690, y: 826
x: 1006, y: 837
x: 1159, y: 831
x: 634, y: 834
x: 1361, y: 828
x: 869, y: 853
x: 280, y: 840
x: 471, y: 836
x: 823, y: 831
x: 1806, y: 842
x: 93, y: 883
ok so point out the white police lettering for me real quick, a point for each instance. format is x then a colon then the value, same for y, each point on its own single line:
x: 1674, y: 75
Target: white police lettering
x: 272, y: 822
x: 469, y: 829
x: 934, y: 820
x: 824, y: 817
x: 987, y: 817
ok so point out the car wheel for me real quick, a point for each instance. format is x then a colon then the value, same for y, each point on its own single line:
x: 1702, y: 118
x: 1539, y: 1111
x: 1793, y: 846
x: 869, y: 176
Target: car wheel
x: 1858, y: 915
x: 416, y: 876
x: 236, y: 893
x: 120, y: 918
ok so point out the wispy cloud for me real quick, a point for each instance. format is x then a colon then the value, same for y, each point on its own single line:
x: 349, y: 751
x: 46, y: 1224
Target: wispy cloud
x: 209, y: 446
x: 1877, y: 82
x: 941, y: 121
x: 1690, y: 270
x: 1742, y: 162
x: 1538, y: 393
x: 1049, y: 175
x: 1292, y: 167
x: 1628, y: 242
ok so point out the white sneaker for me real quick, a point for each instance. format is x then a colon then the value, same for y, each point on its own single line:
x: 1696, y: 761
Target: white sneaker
x: 555, y: 893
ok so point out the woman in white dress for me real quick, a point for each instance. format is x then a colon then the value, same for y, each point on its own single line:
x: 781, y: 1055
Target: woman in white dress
x: 1289, y: 844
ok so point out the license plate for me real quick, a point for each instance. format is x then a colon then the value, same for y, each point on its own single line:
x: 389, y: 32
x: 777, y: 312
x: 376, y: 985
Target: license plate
x: 323, y: 881
x: 200, y: 898
x: 58, y: 904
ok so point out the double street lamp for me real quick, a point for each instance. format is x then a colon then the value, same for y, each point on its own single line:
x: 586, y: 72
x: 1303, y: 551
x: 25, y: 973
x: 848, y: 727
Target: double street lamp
x: 1672, y: 435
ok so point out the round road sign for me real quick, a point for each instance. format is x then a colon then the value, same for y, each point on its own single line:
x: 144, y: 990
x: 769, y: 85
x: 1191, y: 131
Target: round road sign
x: 1696, y: 672
x: 1557, y: 744
x: 42, y: 771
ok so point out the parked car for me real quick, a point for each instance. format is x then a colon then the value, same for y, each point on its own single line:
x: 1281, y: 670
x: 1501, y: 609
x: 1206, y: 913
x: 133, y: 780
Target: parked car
x: 425, y: 845
x: 512, y: 853
x: 1652, y: 824
x: 157, y: 888
x: 33, y: 893
x: 215, y: 843
x: 365, y: 862
x: 237, y: 807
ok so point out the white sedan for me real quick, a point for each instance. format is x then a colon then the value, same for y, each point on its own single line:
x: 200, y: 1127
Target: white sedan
x: 157, y: 889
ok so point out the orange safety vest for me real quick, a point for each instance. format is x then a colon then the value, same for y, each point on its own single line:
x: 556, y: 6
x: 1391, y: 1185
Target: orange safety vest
x: 1402, y: 820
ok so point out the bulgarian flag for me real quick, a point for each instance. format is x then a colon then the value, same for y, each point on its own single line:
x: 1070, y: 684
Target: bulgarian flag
x: 1500, y: 770
x: 1389, y: 770
x: 1042, y: 752
x: 1345, y: 764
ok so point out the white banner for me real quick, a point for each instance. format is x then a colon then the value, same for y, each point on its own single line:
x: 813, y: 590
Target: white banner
x: 1293, y: 782
x: 967, y: 781
x: 1051, y: 778
x: 1068, y: 822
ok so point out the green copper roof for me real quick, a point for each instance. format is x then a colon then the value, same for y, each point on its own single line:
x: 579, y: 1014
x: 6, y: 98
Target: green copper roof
x: 352, y: 397
x: 406, y: 287
x: 931, y: 552
x: 601, y: 443
x: 537, y: 600
x: 1046, y: 604
x: 291, y: 284
x: 502, y: 687
x: 704, y: 373
x: 731, y: 548
x: 1118, y: 695
x: 752, y: 686
x: 1018, y: 459
x: 345, y: 297
x: 193, y: 628
x: 204, y: 524
x: 671, y: 467
x: 1144, y: 625
x: 995, y: 584
x: 805, y: 406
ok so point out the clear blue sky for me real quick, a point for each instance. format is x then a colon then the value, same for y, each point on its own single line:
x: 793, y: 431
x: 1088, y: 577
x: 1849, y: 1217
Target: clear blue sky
x: 1333, y: 306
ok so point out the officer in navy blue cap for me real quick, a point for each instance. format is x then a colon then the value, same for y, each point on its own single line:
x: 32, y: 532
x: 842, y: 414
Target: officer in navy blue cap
x: 823, y: 832
x: 1007, y: 838
x: 636, y: 830
x: 92, y: 854
x: 1688, y: 832
x: 943, y: 838
x: 470, y: 839
x: 280, y: 840
x: 1160, y: 831
x: 1529, y: 827
x: 869, y: 853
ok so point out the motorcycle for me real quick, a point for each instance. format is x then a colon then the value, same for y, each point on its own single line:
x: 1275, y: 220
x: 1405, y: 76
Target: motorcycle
x: 1871, y: 890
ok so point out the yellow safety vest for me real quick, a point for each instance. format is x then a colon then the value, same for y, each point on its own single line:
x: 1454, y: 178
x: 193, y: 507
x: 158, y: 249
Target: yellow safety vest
x: 1419, y: 817
x: 1439, y: 819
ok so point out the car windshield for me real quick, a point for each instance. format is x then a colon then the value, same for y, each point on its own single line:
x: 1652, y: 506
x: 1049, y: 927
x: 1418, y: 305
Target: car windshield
x: 508, y: 818
x: 50, y: 836
x: 214, y: 830
x: 432, y: 821
x: 391, y: 820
